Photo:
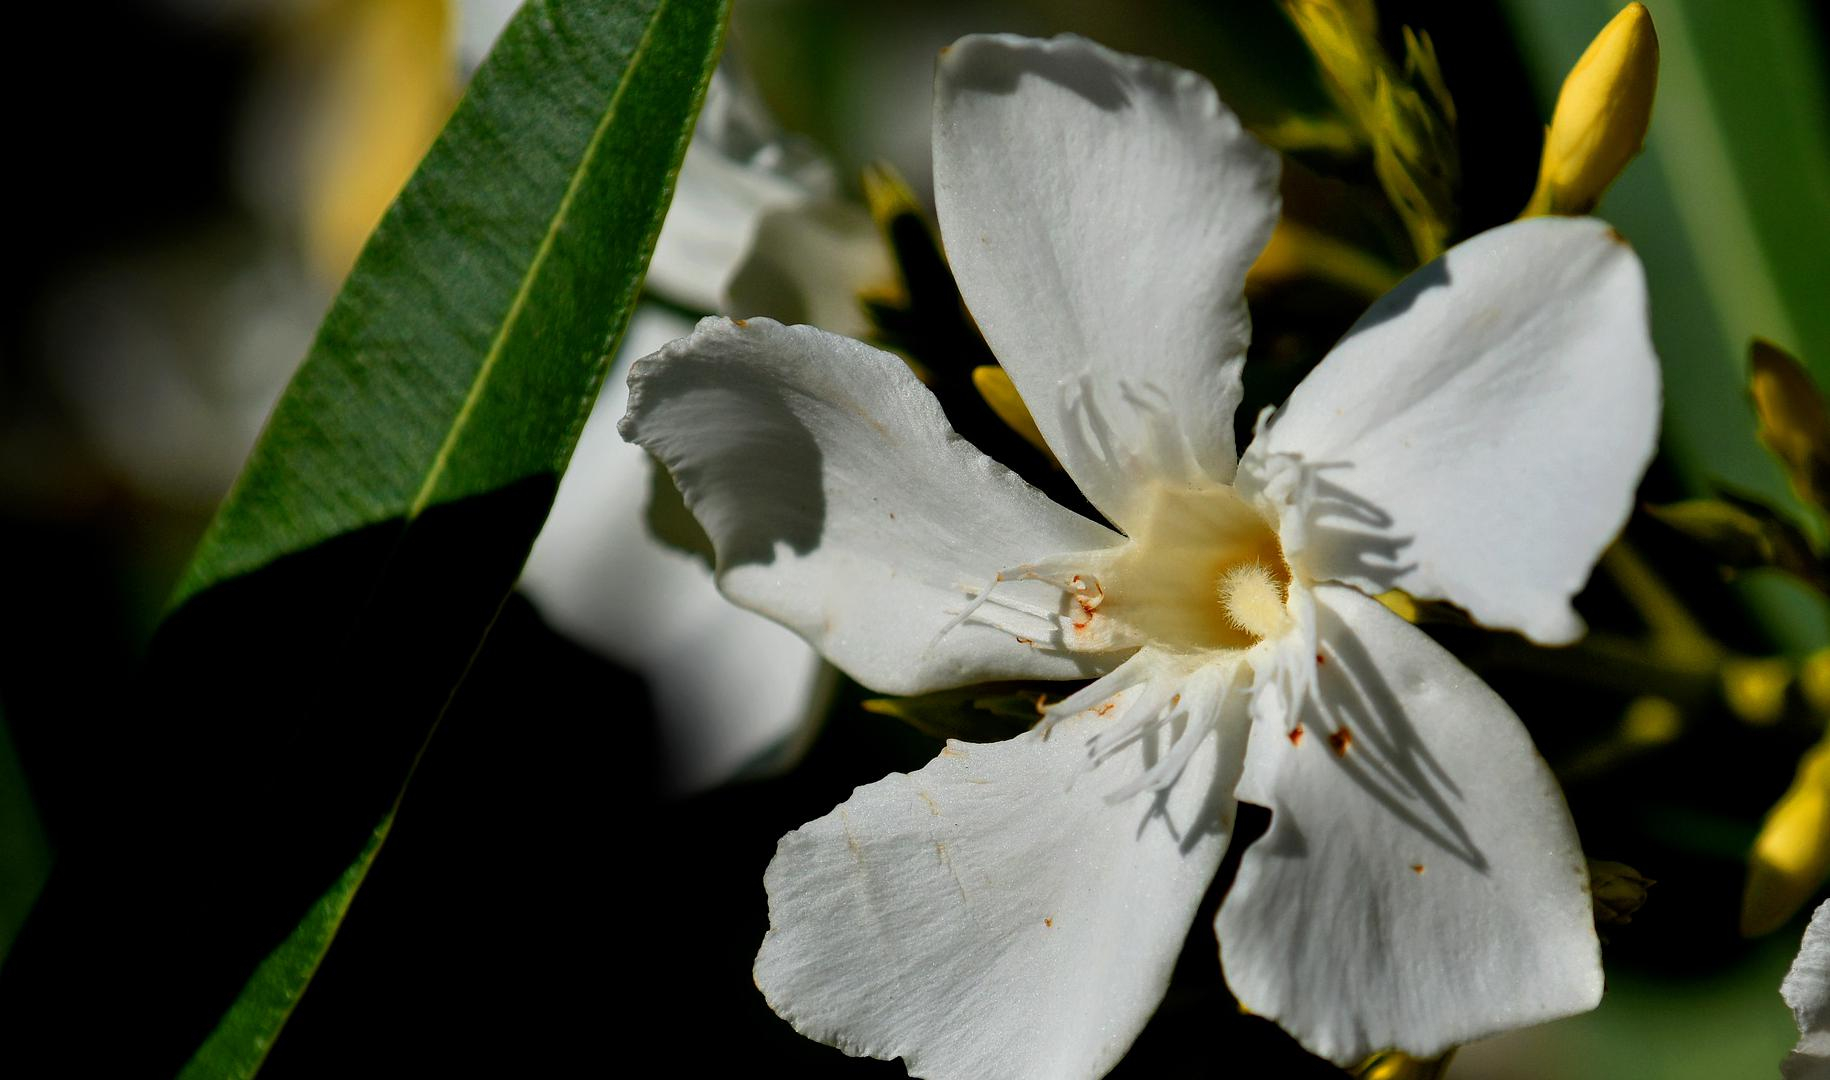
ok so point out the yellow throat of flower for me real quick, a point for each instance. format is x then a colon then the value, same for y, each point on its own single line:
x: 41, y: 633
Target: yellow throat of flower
x: 1203, y: 571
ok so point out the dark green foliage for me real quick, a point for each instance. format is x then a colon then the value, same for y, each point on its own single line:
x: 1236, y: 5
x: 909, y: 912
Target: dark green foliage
x: 331, y: 611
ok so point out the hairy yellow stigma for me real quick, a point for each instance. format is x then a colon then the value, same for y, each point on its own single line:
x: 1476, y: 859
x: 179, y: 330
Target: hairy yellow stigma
x: 1252, y: 599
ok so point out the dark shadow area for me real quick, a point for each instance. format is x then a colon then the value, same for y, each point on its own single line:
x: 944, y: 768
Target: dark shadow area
x: 517, y: 896
x: 763, y: 485
x: 275, y: 721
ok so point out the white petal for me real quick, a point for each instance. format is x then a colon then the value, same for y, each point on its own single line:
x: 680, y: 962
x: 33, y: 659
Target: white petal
x: 711, y: 225
x: 1478, y: 435
x: 1421, y: 884
x: 1100, y: 212
x: 729, y: 686
x: 842, y: 505
x: 1807, y: 990
x: 480, y: 22
x: 808, y: 263
x: 997, y: 913
x: 738, y: 168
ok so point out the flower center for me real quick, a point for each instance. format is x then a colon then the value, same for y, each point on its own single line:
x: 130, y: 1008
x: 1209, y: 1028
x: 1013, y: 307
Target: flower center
x: 1195, y: 547
x: 1203, y: 572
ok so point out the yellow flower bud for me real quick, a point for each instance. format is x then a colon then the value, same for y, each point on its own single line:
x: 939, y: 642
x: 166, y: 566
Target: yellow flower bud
x: 1001, y: 394
x: 1601, y: 117
x: 1392, y: 1065
x: 1756, y: 688
x: 1792, y: 853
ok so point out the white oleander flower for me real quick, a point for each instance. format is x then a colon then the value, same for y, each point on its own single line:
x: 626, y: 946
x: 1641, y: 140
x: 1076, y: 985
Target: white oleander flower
x: 1807, y: 991
x: 1015, y: 909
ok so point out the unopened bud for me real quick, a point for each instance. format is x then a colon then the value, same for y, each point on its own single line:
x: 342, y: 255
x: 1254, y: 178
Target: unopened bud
x: 1601, y: 117
x: 1618, y: 891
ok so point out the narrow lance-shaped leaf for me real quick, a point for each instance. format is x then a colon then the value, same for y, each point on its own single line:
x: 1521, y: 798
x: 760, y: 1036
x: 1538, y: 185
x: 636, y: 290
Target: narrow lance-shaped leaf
x: 332, y: 608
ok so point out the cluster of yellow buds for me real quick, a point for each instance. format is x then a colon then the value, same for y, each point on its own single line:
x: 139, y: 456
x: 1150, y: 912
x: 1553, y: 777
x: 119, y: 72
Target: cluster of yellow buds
x: 1405, y: 115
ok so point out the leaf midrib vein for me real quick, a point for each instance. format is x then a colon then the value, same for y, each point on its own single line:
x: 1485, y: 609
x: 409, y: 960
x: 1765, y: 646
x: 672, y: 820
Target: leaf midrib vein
x: 442, y: 459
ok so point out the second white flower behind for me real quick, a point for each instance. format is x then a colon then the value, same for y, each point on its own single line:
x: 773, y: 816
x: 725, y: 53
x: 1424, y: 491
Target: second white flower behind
x: 1016, y: 909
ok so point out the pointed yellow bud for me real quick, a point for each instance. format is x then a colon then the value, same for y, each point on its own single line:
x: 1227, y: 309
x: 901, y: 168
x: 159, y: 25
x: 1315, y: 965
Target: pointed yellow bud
x: 1791, y: 856
x: 1794, y: 424
x: 1601, y: 117
x: 1001, y: 394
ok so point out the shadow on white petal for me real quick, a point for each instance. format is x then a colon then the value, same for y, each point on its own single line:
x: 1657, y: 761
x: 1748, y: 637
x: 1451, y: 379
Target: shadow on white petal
x: 1376, y: 745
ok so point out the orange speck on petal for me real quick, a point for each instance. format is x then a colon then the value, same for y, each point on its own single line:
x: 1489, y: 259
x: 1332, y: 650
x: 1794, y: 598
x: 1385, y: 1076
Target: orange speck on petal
x: 1341, y: 740
x: 1416, y: 868
x: 1048, y: 922
x: 1296, y: 735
